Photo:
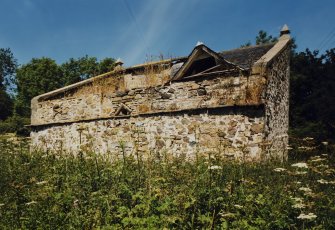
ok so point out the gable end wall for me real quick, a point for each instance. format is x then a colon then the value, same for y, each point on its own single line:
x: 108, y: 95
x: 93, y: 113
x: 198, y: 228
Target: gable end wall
x: 277, y: 106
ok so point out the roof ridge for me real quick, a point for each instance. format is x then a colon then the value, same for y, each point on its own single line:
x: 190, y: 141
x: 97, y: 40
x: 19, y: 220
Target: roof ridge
x: 248, y: 47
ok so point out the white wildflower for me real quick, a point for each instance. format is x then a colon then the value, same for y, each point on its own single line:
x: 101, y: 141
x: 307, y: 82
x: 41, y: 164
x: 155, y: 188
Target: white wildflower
x: 305, y: 189
x: 308, y: 139
x: 309, y: 216
x: 75, y: 203
x: 298, y: 182
x: 2, y: 204
x: 300, y: 165
x: 296, y: 199
x: 322, y: 181
x: 289, y: 148
x: 227, y: 214
x: 279, y: 170
x: 317, y: 159
x: 322, y: 166
x: 300, y: 173
x: 329, y: 171
x: 215, y: 167
x: 31, y: 202
x: 299, y: 205
x: 325, y: 143
x: 238, y: 206
x: 42, y: 182
x: 306, y: 148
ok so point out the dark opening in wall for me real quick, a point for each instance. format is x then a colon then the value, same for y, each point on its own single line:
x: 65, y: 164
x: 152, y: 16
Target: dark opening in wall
x: 201, y: 65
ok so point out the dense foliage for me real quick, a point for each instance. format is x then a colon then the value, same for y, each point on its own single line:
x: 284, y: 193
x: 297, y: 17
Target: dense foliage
x: 35, y: 78
x: 42, y: 75
x: 8, y: 66
x: 44, y: 190
x: 312, y: 103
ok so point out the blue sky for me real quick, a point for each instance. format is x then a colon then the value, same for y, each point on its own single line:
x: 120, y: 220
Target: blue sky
x: 137, y: 30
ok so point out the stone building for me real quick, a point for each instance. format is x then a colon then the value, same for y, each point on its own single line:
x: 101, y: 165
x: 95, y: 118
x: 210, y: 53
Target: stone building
x: 233, y: 102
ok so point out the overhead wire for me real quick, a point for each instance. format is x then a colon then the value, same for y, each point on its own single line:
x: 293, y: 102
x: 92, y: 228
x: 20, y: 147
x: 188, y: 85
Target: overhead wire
x: 138, y: 28
x: 327, y: 39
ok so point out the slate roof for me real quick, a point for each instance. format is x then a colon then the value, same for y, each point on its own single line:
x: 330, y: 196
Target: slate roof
x: 246, y: 56
x: 243, y: 57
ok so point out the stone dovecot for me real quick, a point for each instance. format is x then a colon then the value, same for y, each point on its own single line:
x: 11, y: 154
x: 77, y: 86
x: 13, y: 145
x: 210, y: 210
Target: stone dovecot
x: 233, y: 102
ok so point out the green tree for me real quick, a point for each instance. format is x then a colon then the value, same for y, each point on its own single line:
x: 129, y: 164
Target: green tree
x: 247, y: 44
x: 8, y: 65
x: 6, y: 105
x: 264, y: 38
x: 313, y: 94
x: 106, y: 65
x: 39, y: 76
x: 75, y: 70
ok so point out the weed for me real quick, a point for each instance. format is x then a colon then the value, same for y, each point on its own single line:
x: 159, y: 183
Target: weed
x: 43, y: 190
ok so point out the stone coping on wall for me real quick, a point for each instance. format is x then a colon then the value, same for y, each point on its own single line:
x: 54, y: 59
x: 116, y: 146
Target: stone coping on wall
x: 260, y: 66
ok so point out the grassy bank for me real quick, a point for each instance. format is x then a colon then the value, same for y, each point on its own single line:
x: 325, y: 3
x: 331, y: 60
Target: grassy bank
x: 55, y: 191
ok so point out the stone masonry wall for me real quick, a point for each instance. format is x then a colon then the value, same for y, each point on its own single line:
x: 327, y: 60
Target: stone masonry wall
x: 99, y: 101
x: 277, y: 106
x: 236, y: 113
x: 236, y: 134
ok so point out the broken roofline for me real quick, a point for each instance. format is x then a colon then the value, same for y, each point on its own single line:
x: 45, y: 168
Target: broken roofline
x: 257, y: 67
x: 196, y: 52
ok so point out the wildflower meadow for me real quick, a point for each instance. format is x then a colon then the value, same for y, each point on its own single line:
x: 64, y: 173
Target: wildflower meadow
x: 44, y: 190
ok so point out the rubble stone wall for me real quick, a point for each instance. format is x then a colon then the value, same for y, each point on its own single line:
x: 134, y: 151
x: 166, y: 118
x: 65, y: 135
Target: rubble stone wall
x: 236, y: 113
x: 277, y: 106
x: 99, y: 102
x: 235, y: 132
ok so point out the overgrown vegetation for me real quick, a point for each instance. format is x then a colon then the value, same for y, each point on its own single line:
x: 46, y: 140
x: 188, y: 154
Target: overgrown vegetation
x: 43, y: 190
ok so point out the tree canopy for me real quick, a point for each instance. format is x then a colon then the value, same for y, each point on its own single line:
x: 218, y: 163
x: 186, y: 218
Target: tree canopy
x: 313, y: 94
x: 79, y: 69
x: 264, y: 38
x: 34, y: 78
x: 42, y: 75
x: 8, y: 65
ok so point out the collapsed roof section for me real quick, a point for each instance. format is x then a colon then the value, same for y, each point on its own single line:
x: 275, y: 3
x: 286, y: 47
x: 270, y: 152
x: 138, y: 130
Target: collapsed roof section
x: 202, y: 60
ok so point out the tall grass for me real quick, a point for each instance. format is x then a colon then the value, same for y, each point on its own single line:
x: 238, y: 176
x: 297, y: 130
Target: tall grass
x: 42, y: 190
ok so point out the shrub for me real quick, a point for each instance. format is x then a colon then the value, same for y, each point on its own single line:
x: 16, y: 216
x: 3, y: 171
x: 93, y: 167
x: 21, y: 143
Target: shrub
x: 15, y: 124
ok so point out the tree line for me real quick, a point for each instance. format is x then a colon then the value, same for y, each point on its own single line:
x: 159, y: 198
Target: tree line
x: 20, y: 83
x: 312, y: 87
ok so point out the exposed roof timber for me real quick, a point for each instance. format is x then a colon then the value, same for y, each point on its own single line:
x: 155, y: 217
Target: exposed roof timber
x: 160, y: 62
x: 196, y: 52
x: 204, y: 74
